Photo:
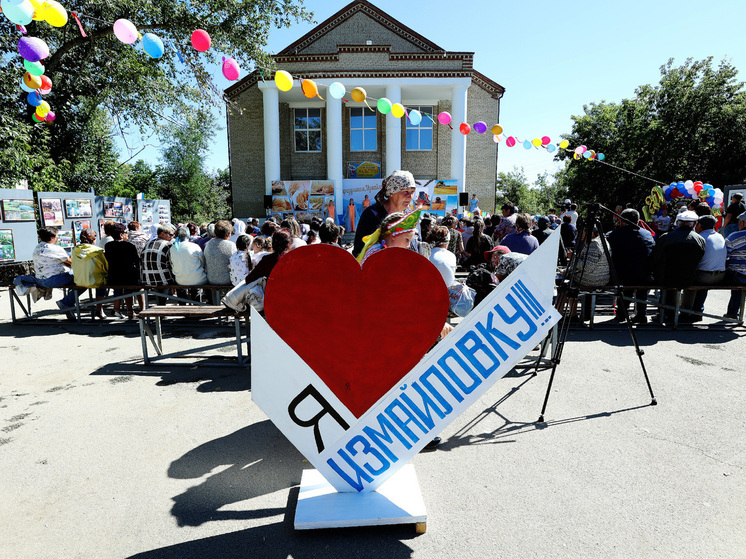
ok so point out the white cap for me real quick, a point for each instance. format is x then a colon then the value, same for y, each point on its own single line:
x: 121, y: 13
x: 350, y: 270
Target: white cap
x: 687, y: 215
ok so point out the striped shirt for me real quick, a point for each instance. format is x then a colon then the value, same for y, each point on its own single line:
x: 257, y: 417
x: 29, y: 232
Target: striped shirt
x: 736, y: 246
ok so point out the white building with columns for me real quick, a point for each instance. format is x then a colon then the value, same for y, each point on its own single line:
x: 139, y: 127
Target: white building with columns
x: 277, y: 135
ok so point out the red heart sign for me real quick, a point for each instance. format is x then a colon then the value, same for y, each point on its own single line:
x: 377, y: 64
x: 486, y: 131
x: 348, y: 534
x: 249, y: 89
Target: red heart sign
x: 360, y: 330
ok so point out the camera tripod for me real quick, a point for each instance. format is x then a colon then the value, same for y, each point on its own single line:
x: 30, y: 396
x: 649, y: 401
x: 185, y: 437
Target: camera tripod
x: 568, y: 291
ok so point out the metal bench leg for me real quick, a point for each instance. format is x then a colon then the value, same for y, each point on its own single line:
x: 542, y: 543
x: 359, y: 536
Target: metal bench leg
x: 143, y: 326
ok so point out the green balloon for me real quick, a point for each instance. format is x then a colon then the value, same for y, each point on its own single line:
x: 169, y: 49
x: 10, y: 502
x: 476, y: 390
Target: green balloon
x: 34, y: 68
x: 384, y: 106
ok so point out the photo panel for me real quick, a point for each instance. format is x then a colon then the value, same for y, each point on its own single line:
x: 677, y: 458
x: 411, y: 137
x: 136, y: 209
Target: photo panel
x: 78, y: 207
x: 51, y: 210
x: 7, y: 247
x: 323, y: 188
x: 446, y: 187
x: 65, y: 238
x: 18, y: 210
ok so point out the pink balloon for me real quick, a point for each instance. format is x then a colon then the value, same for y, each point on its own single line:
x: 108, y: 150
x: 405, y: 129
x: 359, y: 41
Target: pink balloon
x: 201, y: 40
x: 125, y: 31
x: 231, y: 70
x: 50, y: 117
x: 444, y: 118
x: 546, y: 140
x: 510, y: 142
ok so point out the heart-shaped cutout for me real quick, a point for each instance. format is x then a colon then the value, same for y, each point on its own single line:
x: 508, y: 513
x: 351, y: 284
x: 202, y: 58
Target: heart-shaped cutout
x: 360, y: 330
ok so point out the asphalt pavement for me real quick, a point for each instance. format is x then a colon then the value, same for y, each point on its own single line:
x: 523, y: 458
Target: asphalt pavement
x: 103, y: 457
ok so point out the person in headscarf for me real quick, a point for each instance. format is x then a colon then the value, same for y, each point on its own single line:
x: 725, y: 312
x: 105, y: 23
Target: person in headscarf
x: 239, y: 228
x: 395, y: 196
x: 396, y: 230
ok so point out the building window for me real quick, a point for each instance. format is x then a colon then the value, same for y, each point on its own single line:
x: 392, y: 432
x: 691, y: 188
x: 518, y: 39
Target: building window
x: 363, y: 131
x: 420, y: 137
x: 307, y: 129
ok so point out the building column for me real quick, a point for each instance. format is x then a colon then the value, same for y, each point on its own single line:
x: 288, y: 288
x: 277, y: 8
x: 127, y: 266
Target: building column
x: 458, y: 140
x: 271, y: 99
x: 393, y: 132
x: 334, y: 157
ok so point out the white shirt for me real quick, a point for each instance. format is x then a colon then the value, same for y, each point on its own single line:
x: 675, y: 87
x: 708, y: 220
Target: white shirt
x: 715, y: 252
x: 297, y: 242
x: 257, y: 256
x: 48, y: 259
x: 188, y: 263
x: 445, y: 262
x: 573, y: 215
x: 239, y: 267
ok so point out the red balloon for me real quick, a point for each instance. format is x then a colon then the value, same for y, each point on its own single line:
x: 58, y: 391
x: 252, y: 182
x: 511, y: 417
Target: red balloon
x: 201, y: 40
x: 46, y: 83
x: 675, y: 193
x: 510, y: 142
x: 697, y: 187
x: 464, y: 128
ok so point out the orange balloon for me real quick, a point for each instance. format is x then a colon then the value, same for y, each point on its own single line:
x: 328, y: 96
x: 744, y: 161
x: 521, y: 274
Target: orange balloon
x: 32, y: 82
x: 310, y: 89
x: 358, y: 94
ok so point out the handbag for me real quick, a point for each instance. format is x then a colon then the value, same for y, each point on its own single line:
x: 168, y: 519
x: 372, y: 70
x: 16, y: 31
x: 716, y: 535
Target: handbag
x: 244, y: 294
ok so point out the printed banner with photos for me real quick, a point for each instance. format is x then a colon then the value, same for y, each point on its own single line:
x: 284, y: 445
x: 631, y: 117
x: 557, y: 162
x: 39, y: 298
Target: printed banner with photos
x: 303, y: 200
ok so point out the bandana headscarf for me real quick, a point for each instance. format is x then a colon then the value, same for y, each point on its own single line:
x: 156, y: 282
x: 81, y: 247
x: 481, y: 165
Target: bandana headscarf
x: 395, y: 182
x: 407, y: 223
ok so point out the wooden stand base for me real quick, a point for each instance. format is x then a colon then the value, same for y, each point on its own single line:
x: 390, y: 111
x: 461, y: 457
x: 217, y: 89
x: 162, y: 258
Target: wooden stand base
x: 397, y: 501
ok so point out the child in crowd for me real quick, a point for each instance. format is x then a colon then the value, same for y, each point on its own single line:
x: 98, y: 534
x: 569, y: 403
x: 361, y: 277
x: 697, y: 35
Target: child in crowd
x: 260, y: 248
x: 240, y: 262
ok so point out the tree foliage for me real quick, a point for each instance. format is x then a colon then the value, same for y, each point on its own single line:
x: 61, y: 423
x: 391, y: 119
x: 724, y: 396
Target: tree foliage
x: 99, y: 77
x: 692, y: 125
x: 536, y: 199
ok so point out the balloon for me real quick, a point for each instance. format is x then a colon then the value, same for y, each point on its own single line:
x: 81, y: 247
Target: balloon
x: 497, y: 130
x: 536, y: 142
x: 38, y: 9
x: 689, y: 185
x: 283, y: 80
x: 19, y: 13
x: 601, y: 157
x: 587, y: 154
x: 464, y: 128
x: 358, y: 95
x: 495, y: 138
x: 593, y: 154
x: 309, y: 88
x: 41, y: 116
x: 125, y: 31
x: 43, y: 109
x: 480, y: 127
x: 33, y: 99
x: 337, y: 90
x: 25, y: 88
x: 32, y: 49
x: 397, y: 109
x: 564, y: 144
x: 384, y: 106
x: 36, y: 118
x: 527, y: 144
x: 201, y: 40
x: 44, y: 91
x: 444, y: 118
x: 54, y: 14
x: 50, y: 116
x: 576, y: 156
x: 231, y: 69
x: 46, y: 84
x: 584, y: 149
x: 551, y: 148
x: 34, y: 68
x: 32, y: 82
x: 415, y: 117
x: 152, y: 45
x: 579, y: 150
x: 510, y: 142
x: 546, y: 140
x: 697, y: 187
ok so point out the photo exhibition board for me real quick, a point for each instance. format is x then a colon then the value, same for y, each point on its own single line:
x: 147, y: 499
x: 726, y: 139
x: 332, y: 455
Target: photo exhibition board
x: 152, y: 212
x: 73, y: 207
x: 304, y: 200
x: 19, y: 204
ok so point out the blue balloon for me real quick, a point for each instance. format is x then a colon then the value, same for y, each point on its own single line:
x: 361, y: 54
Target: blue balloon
x: 527, y: 144
x: 26, y: 88
x: 710, y: 200
x: 34, y: 99
x: 551, y: 148
x: 152, y: 45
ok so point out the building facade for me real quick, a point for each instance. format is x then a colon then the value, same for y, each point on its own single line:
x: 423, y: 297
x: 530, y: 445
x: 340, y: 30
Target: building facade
x: 277, y: 135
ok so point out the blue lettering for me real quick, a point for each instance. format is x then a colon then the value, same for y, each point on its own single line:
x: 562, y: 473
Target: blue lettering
x: 492, y: 335
x: 360, y: 474
x: 367, y: 449
x: 443, y: 362
x: 471, y: 353
x: 520, y: 313
x: 428, y: 405
x: 385, y: 435
x: 402, y: 422
x: 447, y: 409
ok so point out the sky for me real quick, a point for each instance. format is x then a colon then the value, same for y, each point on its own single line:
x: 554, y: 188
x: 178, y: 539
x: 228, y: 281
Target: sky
x: 551, y: 57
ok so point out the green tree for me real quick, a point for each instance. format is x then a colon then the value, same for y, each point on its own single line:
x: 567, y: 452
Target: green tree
x: 692, y: 125
x: 132, y: 88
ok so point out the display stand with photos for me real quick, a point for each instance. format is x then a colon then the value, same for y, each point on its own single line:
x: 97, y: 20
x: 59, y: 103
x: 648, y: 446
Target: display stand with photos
x: 17, y: 225
x: 70, y: 212
x: 150, y: 213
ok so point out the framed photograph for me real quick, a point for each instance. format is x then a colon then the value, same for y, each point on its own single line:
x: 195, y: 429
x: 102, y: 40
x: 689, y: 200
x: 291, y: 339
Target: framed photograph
x: 127, y: 209
x: 51, y: 210
x: 101, y: 233
x: 7, y: 248
x: 65, y: 238
x: 18, y: 210
x: 78, y: 207
x: 113, y: 209
x: 79, y: 225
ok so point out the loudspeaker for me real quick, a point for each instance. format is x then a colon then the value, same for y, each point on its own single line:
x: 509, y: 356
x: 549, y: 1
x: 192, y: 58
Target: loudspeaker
x: 463, y: 199
x: 267, y: 202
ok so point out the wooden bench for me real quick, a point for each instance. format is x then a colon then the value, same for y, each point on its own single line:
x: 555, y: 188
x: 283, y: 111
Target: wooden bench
x: 193, y: 312
x: 594, y: 292
x: 81, y: 303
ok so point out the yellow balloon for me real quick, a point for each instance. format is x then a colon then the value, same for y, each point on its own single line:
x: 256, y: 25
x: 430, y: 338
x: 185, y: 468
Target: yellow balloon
x: 38, y: 9
x: 536, y: 142
x: 564, y: 144
x: 43, y: 109
x: 283, y: 80
x: 397, y: 109
x: 358, y: 94
x: 497, y: 130
x: 576, y: 156
x: 54, y: 13
x: 32, y: 82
